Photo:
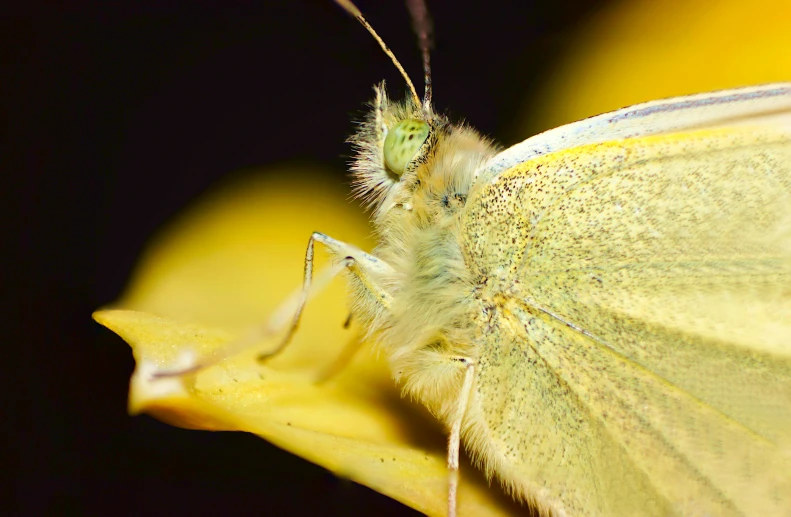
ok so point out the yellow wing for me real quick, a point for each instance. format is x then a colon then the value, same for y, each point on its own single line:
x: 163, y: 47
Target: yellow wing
x: 638, y: 360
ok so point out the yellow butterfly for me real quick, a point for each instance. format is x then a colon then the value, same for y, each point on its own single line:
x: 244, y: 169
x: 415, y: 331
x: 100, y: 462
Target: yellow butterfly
x: 601, y: 313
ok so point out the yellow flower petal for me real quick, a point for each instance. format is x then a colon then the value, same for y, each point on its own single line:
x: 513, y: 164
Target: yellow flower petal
x: 223, y: 267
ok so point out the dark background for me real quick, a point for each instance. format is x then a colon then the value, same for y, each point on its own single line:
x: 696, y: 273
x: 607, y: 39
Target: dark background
x: 117, y: 114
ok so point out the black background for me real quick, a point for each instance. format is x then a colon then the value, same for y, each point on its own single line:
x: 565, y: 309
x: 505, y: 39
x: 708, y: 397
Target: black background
x: 117, y: 114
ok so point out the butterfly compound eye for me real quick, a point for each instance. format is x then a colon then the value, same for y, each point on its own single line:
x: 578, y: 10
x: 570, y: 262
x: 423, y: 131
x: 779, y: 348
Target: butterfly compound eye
x: 403, y: 142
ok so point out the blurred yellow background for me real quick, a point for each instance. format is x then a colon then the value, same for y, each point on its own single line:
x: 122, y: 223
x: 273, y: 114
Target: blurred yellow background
x: 640, y: 50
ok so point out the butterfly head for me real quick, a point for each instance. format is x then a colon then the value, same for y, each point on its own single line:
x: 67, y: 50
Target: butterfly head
x: 391, y: 144
x: 411, y: 164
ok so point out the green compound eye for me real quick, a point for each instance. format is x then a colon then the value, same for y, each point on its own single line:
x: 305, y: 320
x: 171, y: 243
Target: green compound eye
x: 402, y: 143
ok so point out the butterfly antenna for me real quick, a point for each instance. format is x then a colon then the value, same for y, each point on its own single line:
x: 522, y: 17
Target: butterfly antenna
x: 349, y: 7
x: 424, y: 28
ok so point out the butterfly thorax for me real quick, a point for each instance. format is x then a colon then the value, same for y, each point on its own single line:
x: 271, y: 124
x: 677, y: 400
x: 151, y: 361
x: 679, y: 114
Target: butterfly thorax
x: 417, y: 211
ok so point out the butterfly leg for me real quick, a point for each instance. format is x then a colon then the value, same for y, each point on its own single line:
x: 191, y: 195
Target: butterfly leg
x: 454, y: 440
x: 356, y: 261
x: 360, y: 265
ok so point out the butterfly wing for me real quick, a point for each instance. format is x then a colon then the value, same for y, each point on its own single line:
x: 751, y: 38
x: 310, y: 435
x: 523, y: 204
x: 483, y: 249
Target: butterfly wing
x: 638, y: 361
x: 763, y: 104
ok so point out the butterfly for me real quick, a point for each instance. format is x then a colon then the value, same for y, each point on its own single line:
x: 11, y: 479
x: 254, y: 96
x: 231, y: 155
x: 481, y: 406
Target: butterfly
x: 600, y: 314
